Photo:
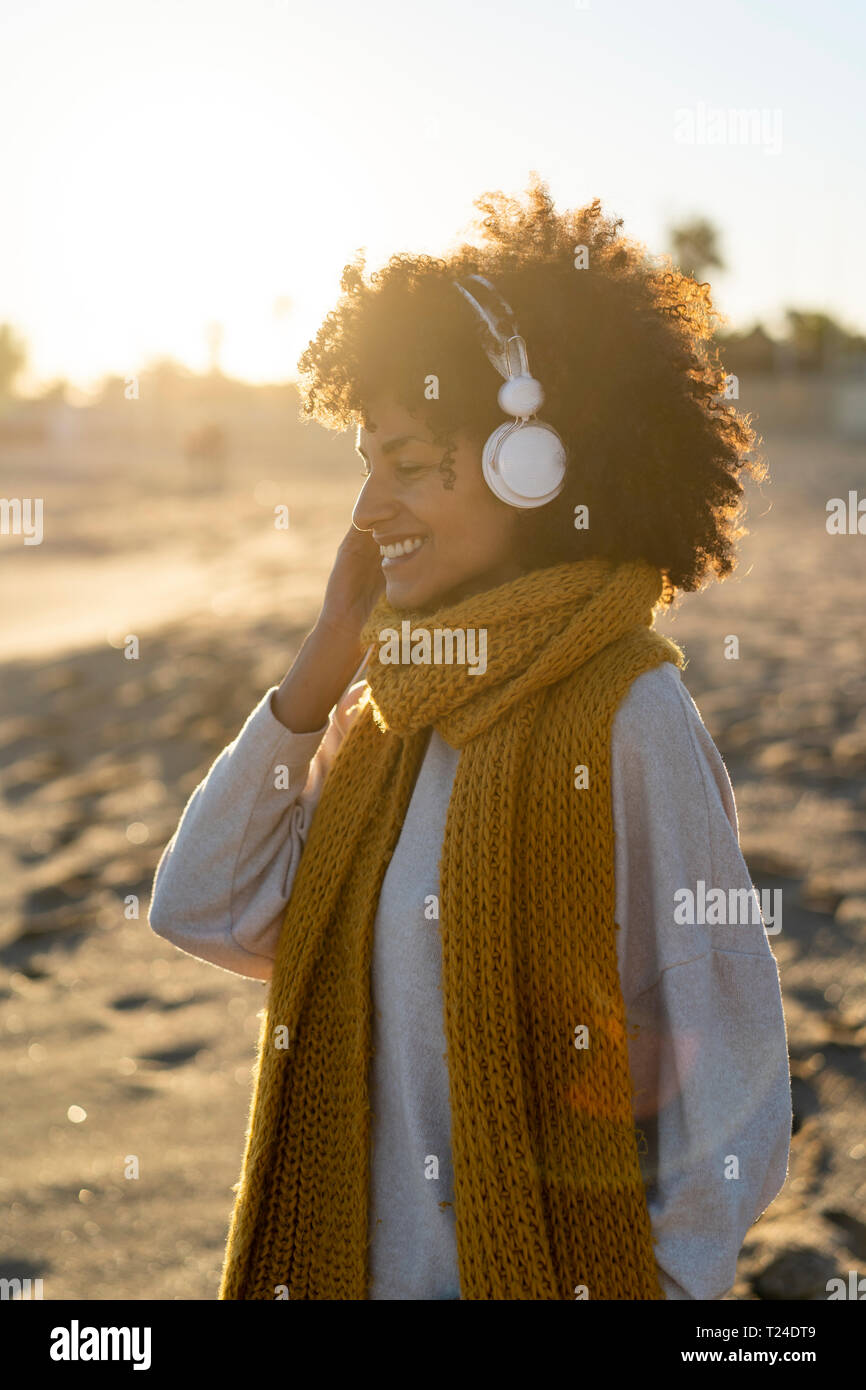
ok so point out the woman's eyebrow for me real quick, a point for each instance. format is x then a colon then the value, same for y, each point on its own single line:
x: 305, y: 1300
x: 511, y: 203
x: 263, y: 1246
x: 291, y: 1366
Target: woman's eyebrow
x: 397, y: 443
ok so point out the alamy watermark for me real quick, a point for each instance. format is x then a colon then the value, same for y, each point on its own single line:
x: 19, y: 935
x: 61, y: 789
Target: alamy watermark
x: 855, y: 1288
x: 443, y: 646
x: 734, y: 125
x: 716, y: 907
x: 17, y: 1290
x: 847, y: 520
x: 22, y: 516
x: 76, y: 1343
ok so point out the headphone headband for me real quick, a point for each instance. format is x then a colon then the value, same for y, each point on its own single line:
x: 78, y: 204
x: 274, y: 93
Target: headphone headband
x: 501, y: 329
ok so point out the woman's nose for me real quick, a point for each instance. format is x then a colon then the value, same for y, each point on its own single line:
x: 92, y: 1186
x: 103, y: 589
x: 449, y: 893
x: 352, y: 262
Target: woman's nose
x: 373, y: 505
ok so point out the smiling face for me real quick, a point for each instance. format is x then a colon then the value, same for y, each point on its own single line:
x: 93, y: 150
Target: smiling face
x: 443, y: 534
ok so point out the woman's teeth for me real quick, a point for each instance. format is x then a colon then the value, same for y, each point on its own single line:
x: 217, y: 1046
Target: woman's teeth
x: 400, y: 550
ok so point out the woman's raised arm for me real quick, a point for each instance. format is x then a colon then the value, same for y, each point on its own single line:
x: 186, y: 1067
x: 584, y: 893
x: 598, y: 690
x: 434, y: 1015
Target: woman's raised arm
x: 225, y: 877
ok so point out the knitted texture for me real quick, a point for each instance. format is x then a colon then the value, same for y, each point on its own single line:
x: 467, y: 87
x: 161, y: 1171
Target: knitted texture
x: 548, y: 1195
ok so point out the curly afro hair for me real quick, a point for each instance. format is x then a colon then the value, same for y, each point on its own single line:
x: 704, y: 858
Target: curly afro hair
x: 622, y: 343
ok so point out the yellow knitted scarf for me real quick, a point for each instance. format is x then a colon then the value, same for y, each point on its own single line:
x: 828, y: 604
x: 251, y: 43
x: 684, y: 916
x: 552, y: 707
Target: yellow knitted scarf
x: 548, y: 1196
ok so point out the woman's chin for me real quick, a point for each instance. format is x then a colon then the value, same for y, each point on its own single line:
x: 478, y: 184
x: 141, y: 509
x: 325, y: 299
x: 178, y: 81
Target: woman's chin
x: 427, y: 592
x: 403, y: 593
x: 421, y: 593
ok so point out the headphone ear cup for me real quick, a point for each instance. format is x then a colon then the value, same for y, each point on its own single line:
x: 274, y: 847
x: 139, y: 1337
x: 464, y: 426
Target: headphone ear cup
x: 524, y: 463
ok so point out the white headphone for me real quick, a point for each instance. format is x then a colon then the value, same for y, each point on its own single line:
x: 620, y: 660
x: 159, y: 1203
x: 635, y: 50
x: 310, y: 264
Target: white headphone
x: 524, y: 460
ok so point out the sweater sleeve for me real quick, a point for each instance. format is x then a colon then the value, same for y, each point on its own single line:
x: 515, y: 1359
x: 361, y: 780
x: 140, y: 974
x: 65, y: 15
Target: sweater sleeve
x: 708, y: 1045
x: 222, y: 884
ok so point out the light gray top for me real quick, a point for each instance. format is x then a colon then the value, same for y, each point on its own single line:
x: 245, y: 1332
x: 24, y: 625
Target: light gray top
x: 710, y: 1056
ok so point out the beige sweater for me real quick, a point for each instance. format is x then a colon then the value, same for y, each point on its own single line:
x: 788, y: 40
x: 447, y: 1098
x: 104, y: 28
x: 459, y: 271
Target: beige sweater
x: 710, y: 1055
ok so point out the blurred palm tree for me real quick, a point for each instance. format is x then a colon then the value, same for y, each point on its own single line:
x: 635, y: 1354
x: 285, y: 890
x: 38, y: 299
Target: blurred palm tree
x: 13, y: 356
x: 819, y: 343
x: 695, y: 247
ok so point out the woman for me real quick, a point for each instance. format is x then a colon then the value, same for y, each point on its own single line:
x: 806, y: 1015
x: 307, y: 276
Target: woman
x: 496, y: 1062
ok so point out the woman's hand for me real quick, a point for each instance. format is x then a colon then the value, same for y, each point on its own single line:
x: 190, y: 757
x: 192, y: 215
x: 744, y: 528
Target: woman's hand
x: 332, y: 652
x: 355, y: 583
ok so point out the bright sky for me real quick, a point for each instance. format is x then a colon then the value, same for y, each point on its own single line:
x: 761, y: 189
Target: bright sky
x: 171, y: 163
